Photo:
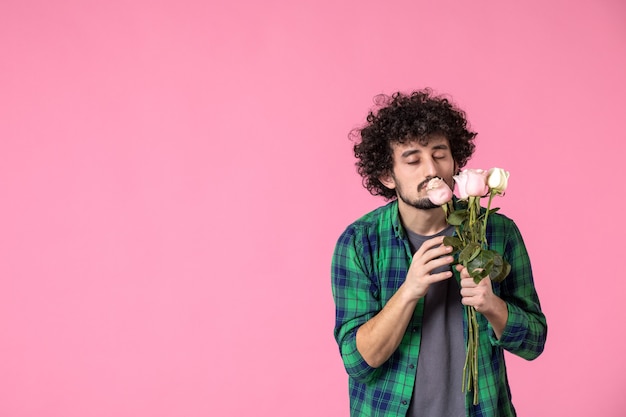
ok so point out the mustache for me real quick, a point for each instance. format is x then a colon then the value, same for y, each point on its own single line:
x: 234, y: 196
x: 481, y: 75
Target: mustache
x: 424, y: 183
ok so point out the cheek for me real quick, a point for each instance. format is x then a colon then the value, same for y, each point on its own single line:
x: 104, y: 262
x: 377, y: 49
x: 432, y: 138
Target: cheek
x: 447, y: 175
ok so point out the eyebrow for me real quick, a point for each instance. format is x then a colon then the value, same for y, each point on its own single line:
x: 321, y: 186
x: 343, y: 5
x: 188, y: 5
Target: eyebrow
x: 410, y: 152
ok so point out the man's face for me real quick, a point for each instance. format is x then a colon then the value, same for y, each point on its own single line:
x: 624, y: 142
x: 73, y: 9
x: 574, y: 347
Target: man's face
x: 414, y: 164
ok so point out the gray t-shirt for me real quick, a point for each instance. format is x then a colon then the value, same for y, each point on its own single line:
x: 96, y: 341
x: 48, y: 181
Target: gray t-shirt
x: 437, y: 391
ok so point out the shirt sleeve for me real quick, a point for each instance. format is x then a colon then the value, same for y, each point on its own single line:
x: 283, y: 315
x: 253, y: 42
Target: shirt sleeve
x: 526, y: 329
x: 356, y: 298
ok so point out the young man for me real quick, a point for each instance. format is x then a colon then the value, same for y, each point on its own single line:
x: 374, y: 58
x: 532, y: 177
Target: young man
x: 399, y: 304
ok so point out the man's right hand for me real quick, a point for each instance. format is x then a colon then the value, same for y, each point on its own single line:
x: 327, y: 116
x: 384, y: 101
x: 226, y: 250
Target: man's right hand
x: 380, y: 336
x: 430, y: 256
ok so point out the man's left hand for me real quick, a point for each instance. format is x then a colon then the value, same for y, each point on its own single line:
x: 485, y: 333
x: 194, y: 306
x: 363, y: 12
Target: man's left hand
x: 481, y: 297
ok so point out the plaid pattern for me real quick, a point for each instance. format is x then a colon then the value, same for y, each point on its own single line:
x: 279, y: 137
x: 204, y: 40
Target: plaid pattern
x: 370, y: 263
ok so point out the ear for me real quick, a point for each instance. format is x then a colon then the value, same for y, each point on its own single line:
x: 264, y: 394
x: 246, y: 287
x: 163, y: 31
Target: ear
x: 387, y: 180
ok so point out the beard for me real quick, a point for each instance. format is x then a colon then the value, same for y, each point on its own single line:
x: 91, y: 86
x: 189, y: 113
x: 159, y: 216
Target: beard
x: 420, y: 203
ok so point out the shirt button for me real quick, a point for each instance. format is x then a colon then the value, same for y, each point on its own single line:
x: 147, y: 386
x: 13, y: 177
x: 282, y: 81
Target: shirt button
x: 414, y: 329
x: 411, y: 366
x: 403, y: 402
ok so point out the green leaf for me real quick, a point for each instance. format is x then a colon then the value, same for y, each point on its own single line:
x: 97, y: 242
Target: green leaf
x: 469, y: 252
x: 481, y: 260
x: 457, y: 217
x: 493, y: 210
x: 500, y: 269
x: 481, y: 265
x: 480, y: 273
x: 453, y: 241
x: 461, y: 204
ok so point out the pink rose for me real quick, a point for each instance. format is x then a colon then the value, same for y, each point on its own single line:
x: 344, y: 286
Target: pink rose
x: 472, y: 183
x: 477, y: 182
x: 461, y: 181
x: 438, y: 191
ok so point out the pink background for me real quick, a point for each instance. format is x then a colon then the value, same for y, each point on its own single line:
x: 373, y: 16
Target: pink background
x: 174, y: 176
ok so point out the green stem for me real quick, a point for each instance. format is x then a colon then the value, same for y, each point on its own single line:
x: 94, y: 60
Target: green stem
x: 470, y: 368
x: 475, y: 214
x: 466, y: 371
x: 470, y: 207
x: 449, y: 208
x: 475, y: 358
x: 475, y: 233
x: 484, y: 234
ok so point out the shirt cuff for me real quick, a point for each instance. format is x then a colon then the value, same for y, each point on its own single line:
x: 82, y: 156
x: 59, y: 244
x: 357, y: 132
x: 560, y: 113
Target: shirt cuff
x: 515, y: 330
x: 355, y: 365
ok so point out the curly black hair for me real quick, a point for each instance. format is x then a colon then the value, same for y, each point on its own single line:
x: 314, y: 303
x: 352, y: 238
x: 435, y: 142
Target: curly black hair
x: 405, y: 117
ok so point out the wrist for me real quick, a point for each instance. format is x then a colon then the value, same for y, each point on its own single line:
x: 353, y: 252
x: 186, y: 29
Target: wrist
x: 497, y: 315
x: 408, y: 295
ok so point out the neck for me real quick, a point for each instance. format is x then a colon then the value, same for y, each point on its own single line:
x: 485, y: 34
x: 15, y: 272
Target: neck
x: 422, y: 222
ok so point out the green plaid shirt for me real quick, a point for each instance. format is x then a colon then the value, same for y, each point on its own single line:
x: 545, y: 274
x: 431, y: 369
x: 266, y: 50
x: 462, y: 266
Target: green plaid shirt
x: 370, y: 263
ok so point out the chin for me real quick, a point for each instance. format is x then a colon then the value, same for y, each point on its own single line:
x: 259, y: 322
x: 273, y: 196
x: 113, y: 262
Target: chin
x: 424, y: 204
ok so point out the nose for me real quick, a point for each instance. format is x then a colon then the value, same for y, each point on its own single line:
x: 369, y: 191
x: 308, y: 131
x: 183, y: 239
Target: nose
x: 430, y: 168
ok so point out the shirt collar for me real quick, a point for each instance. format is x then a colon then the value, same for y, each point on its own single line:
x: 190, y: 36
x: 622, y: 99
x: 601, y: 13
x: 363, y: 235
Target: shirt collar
x: 398, y: 229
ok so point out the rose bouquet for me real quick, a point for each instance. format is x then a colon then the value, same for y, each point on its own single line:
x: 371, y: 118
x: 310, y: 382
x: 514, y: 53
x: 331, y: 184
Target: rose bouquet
x: 470, y: 243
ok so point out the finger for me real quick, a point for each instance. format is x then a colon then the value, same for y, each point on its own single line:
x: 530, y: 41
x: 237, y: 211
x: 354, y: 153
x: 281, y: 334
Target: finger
x: 463, y: 271
x: 485, y: 286
x: 434, y: 253
x: 439, y: 262
x: 423, y: 266
x: 440, y: 276
x: 468, y: 292
x: 468, y: 281
x: 432, y: 244
x: 435, y: 241
x: 469, y: 301
x: 486, y: 282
